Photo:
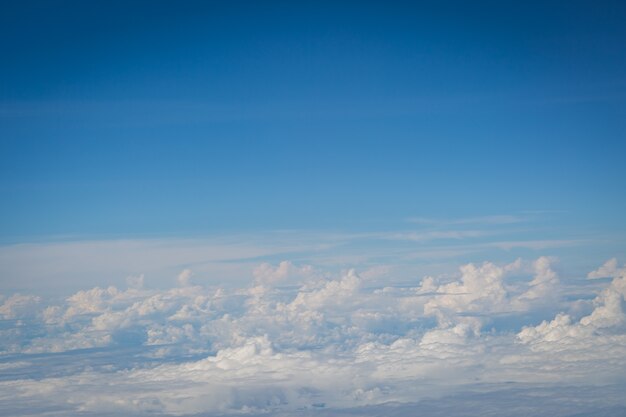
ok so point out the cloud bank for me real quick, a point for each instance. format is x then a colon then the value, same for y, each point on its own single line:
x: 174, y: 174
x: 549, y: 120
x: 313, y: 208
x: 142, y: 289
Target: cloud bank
x: 298, y: 341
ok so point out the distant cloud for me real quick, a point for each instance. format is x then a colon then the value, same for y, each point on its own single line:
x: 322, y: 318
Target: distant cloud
x: 265, y: 273
x: 439, y: 235
x: 545, y: 282
x: 484, y: 220
x: 294, y: 339
x: 608, y: 270
x: 135, y: 281
x: 535, y: 244
x: 603, y: 325
x: 18, y: 305
x: 184, y: 278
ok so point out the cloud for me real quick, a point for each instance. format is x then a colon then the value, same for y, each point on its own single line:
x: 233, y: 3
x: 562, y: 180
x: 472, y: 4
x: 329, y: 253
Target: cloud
x: 484, y: 289
x: 18, y: 305
x: 605, y: 323
x: 324, y: 342
x: 77, y: 265
x: 438, y: 235
x: 608, y: 270
x: 480, y: 289
x: 534, y: 244
x: 266, y: 274
x: 545, y: 282
x: 95, y: 300
x: 73, y: 265
x: 485, y: 220
x: 135, y: 281
x: 184, y: 278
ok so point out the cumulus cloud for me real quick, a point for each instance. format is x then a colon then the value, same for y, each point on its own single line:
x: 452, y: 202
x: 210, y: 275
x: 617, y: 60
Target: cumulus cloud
x: 480, y: 289
x: 545, y: 282
x: 184, y: 278
x: 608, y: 270
x: 95, y: 300
x: 483, y: 289
x: 603, y: 327
x: 267, y: 274
x: 18, y: 305
x: 323, y: 342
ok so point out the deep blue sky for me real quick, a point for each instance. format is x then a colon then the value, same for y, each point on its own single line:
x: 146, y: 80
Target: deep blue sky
x: 188, y: 118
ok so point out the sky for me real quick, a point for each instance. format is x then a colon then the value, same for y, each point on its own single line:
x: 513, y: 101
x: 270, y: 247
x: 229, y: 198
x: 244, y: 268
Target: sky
x: 329, y: 208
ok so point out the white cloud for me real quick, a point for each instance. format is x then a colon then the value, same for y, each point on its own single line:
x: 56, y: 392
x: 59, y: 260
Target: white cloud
x: 439, y: 235
x: 96, y: 300
x: 18, y: 305
x: 266, y: 274
x: 544, y: 284
x: 480, y: 289
x: 563, y: 331
x: 337, y: 293
x: 608, y: 270
x: 487, y: 220
x: 330, y: 342
x: 184, y: 278
x: 74, y: 265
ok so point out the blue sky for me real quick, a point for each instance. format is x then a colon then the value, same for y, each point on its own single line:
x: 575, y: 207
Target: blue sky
x: 149, y: 119
x: 328, y: 208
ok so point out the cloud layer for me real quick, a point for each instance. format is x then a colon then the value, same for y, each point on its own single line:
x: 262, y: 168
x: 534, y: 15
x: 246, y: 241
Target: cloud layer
x: 297, y: 340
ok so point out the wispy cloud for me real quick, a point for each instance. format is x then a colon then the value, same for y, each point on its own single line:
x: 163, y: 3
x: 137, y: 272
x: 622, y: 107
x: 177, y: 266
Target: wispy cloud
x: 536, y: 244
x: 438, y: 235
x: 71, y: 264
x: 484, y: 220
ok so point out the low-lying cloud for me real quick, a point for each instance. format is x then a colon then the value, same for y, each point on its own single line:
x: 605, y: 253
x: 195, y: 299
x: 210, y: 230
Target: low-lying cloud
x: 297, y: 340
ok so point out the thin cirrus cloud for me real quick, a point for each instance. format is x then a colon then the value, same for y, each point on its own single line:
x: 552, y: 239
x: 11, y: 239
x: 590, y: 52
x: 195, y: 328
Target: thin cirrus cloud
x: 75, y: 264
x: 322, y: 343
x: 484, y: 220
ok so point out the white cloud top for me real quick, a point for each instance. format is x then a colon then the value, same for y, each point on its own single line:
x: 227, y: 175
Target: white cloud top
x: 296, y: 339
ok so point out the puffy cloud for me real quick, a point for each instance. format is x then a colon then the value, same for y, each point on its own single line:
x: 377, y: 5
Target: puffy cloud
x: 483, y: 290
x: 608, y: 270
x: 338, y: 293
x: 326, y: 342
x: 606, y: 322
x: 544, y: 283
x: 95, y: 300
x: 479, y: 290
x: 18, y: 305
x: 266, y: 274
x: 184, y: 278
